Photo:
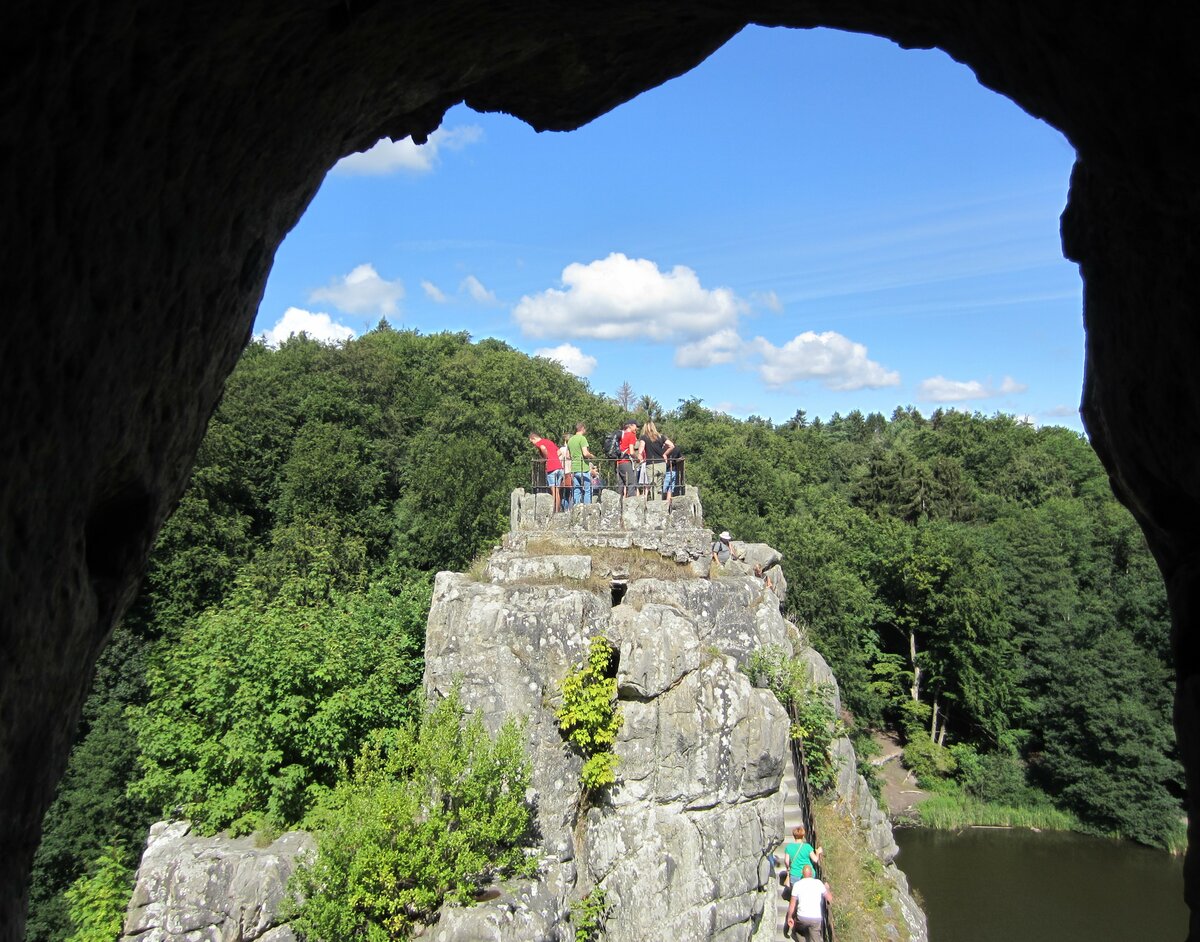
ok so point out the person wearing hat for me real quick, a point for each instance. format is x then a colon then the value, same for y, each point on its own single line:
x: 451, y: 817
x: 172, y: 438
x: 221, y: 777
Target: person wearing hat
x: 720, y: 549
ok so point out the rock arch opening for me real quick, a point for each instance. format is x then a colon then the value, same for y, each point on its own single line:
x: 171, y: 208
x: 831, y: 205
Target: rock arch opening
x: 145, y: 195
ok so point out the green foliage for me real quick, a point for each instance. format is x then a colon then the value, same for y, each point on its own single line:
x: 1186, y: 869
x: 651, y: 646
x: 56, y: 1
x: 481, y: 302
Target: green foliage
x: 97, y: 901
x: 92, y: 811
x: 432, y: 811
x: 251, y: 714
x: 589, y: 716
x: 951, y: 812
x: 814, y: 723
x: 983, y: 562
x: 927, y: 760
x: 589, y: 914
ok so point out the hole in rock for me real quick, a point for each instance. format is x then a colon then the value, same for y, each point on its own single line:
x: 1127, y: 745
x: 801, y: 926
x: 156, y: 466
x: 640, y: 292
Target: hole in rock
x: 619, y: 588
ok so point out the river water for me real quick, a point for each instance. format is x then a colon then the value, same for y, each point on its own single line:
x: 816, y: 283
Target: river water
x: 985, y: 885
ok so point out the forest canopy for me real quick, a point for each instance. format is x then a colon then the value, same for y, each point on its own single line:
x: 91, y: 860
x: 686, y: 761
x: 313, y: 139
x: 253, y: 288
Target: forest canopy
x: 971, y: 580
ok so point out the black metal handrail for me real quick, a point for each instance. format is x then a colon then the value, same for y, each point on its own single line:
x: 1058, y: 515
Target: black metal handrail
x: 804, y: 790
x: 609, y: 477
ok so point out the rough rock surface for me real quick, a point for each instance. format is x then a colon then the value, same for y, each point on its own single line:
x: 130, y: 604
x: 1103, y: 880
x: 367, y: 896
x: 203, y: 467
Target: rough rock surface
x: 153, y: 165
x: 211, y: 889
x: 678, y: 844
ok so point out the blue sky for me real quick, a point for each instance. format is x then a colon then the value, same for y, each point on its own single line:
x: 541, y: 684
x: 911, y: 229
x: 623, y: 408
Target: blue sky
x: 808, y: 220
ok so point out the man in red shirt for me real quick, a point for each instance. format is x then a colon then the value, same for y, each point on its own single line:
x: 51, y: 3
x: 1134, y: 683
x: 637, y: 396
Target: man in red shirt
x: 554, y: 471
x: 629, y: 447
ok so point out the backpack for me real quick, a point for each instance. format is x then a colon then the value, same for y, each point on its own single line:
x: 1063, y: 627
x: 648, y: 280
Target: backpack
x: 612, y: 445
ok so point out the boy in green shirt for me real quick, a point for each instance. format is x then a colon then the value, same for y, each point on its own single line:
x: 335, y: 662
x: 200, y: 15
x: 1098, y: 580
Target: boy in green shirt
x: 577, y: 445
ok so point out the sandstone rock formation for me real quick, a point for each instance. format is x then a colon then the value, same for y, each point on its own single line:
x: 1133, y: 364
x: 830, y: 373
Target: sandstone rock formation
x: 211, y: 889
x: 678, y: 845
x: 154, y: 162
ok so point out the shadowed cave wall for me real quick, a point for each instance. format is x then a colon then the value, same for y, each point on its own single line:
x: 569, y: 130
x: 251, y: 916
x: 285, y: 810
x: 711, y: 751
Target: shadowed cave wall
x: 156, y: 154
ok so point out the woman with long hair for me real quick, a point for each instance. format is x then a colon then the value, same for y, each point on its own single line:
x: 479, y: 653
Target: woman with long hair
x: 655, y: 448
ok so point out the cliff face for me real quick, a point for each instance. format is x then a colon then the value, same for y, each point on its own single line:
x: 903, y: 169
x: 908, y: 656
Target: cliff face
x: 679, y: 844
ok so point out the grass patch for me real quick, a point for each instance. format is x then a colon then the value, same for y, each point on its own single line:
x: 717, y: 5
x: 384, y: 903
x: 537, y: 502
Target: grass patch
x: 477, y: 571
x: 861, y: 893
x: 951, y: 812
x: 625, y: 563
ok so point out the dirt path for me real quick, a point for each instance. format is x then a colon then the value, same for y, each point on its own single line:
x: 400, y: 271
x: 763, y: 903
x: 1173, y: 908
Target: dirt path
x: 900, y: 791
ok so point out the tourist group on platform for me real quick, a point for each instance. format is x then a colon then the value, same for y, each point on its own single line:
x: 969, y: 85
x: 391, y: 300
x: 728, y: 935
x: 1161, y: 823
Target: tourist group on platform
x: 649, y: 464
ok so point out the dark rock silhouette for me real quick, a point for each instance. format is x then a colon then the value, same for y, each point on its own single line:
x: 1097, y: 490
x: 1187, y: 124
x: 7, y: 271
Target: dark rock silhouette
x: 155, y: 155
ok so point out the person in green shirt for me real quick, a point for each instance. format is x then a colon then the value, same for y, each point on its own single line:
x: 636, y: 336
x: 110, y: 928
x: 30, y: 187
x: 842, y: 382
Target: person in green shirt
x: 577, y: 445
x: 800, y: 854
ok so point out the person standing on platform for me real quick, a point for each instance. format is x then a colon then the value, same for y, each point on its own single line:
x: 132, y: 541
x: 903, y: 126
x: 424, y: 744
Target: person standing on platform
x: 629, y: 450
x: 655, y: 447
x: 554, y: 469
x: 564, y: 459
x: 577, y: 445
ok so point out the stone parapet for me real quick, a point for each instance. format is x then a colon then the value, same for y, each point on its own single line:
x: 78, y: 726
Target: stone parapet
x: 534, y: 512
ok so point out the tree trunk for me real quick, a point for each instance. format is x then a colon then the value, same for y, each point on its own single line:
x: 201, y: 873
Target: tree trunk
x: 933, y: 727
x: 916, y: 670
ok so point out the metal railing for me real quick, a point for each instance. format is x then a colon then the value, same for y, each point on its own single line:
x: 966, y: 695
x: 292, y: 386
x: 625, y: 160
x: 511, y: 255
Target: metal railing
x: 804, y: 791
x: 627, y: 478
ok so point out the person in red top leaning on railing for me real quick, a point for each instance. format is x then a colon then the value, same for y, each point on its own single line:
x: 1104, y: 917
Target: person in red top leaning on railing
x: 629, y: 450
x: 554, y: 469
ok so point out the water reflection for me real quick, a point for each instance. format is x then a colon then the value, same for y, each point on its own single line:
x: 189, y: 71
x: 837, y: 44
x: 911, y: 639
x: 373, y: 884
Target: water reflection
x: 998, y: 885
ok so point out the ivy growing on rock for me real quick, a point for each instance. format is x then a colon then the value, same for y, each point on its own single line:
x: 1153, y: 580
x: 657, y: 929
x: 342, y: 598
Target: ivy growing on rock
x: 590, y: 717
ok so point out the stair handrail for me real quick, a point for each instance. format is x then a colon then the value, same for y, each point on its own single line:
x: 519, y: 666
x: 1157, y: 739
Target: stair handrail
x: 804, y: 791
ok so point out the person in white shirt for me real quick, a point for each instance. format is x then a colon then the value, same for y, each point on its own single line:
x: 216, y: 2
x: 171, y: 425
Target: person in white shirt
x: 805, y: 913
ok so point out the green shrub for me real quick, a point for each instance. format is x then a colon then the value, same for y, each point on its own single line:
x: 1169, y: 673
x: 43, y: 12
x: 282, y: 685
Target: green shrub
x: 251, y: 714
x: 998, y: 778
x: 96, y: 901
x: 589, y: 716
x: 589, y: 914
x: 814, y: 723
x: 431, y: 812
x: 930, y: 762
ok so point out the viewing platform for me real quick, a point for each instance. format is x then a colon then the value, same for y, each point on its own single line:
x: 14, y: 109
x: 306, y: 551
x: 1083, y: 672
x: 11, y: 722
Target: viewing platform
x: 673, y: 528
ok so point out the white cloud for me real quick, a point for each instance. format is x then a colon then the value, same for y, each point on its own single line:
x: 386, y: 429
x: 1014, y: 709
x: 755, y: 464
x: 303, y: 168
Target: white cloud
x: 388, y: 156
x: 621, y: 298
x: 474, y: 287
x: 571, y: 357
x: 433, y: 292
x: 362, y: 292
x: 768, y: 299
x: 317, y: 325
x: 940, y: 389
x: 735, y: 408
x: 722, y: 347
x: 838, y: 362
